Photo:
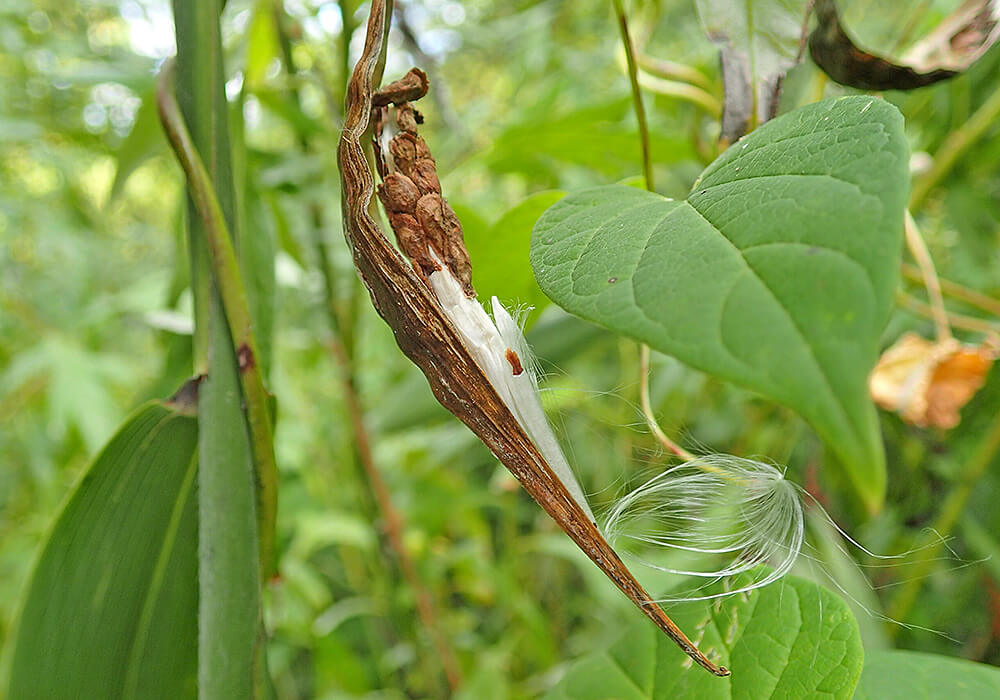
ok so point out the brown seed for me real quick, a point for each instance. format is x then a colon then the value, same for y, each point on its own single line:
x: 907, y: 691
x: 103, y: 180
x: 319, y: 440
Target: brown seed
x: 398, y: 193
x: 514, y: 360
x: 424, y: 175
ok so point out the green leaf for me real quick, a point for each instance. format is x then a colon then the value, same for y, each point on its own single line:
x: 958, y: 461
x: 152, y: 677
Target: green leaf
x: 601, y: 137
x: 911, y: 675
x: 792, y: 639
x: 111, y: 610
x: 143, y: 142
x: 257, y: 248
x: 777, y: 273
x: 500, y: 253
x: 263, y: 50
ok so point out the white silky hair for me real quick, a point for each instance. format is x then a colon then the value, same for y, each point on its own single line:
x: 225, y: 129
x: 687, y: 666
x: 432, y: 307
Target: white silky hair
x: 737, y: 510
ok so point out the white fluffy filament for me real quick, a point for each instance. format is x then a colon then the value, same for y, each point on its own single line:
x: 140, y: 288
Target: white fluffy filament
x: 734, y: 513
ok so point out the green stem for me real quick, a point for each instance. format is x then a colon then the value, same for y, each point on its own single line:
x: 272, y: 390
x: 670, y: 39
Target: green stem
x: 683, y: 91
x: 229, y: 281
x: 640, y: 111
x: 647, y: 166
x: 671, y: 70
x: 230, y: 654
x: 918, y: 249
x: 647, y: 407
x: 951, y: 511
x: 954, y: 147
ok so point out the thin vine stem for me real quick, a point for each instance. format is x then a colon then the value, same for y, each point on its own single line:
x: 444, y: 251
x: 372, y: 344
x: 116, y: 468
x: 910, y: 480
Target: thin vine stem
x: 647, y: 166
x: 647, y: 408
x: 640, y: 111
x: 226, y: 272
x: 922, y: 256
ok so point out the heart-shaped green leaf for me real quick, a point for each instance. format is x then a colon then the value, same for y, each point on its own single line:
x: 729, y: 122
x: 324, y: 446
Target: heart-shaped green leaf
x: 792, y: 639
x: 777, y: 273
x: 112, y: 608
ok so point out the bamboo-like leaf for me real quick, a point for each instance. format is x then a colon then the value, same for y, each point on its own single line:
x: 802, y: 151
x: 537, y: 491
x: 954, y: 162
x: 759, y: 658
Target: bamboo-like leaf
x: 112, y: 607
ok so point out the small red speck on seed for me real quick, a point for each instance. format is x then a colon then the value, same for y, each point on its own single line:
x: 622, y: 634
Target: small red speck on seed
x: 514, y: 360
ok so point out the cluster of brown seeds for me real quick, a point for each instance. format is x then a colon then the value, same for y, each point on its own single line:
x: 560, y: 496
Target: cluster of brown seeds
x: 410, y: 191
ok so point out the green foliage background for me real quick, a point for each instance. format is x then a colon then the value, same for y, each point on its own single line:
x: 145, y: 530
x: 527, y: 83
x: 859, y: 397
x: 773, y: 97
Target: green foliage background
x: 529, y: 97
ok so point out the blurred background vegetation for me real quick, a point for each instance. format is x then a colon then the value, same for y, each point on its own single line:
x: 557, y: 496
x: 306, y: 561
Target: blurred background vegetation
x: 528, y: 97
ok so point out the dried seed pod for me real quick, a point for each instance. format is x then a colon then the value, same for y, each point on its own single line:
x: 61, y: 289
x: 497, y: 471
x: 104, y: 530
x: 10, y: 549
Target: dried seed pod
x: 406, y: 149
x: 407, y: 118
x: 411, y: 86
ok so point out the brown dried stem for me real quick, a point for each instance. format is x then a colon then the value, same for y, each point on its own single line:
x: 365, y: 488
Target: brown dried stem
x: 428, y: 338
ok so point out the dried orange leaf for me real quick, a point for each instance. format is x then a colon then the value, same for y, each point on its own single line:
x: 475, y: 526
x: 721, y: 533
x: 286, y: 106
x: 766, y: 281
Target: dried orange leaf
x: 928, y: 382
